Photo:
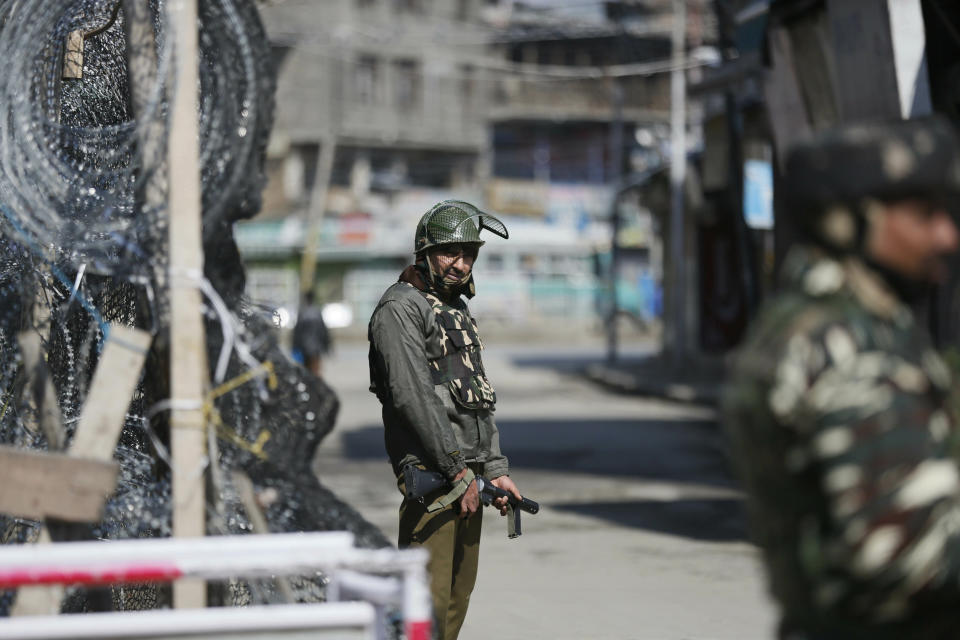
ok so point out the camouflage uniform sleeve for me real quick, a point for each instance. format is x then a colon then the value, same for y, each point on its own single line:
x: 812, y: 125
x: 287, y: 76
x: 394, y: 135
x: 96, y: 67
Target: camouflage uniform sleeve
x: 397, y: 333
x: 875, y: 431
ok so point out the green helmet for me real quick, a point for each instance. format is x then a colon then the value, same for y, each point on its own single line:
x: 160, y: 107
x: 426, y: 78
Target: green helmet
x: 454, y: 221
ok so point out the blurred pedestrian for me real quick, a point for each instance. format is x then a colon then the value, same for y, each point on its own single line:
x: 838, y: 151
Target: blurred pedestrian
x: 311, y: 339
x: 841, y: 414
x: 427, y: 371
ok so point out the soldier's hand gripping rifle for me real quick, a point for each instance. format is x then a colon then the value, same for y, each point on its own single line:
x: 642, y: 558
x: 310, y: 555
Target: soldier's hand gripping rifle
x: 419, y: 482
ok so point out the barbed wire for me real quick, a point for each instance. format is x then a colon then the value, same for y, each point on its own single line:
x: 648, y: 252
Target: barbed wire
x: 81, y: 247
x: 70, y: 160
x: 66, y: 184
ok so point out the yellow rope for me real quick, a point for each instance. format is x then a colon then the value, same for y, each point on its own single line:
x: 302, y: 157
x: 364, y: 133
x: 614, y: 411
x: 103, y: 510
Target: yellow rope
x: 230, y: 435
x: 265, y: 368
x: 227, y: 433
x: 6, y: 403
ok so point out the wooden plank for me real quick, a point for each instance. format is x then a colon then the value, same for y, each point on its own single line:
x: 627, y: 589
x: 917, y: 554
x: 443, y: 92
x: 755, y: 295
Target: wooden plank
x: 111, y: 390
x: 96, y: 436
x: 258, y: 521
x: 188, y: 364
x: 73, y: 55
x: 37, y: 484
x: 39, y: 600
x: 44, y: 400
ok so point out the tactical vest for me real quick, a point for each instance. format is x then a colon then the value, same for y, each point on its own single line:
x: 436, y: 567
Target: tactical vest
x: 460, y: 367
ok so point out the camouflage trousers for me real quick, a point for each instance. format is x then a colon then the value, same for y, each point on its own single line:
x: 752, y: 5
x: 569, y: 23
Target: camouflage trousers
x: 454, y: 546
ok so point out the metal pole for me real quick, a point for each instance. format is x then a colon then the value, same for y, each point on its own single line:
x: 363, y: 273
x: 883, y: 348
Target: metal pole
x: 418, y: 622
x: 678, y: 174
x: 316, y: 209
x: 616, y: 178
x: 323, y: 620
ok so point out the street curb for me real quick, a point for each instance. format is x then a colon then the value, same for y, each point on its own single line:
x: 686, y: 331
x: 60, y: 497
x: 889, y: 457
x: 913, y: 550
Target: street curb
x: 652, y: 379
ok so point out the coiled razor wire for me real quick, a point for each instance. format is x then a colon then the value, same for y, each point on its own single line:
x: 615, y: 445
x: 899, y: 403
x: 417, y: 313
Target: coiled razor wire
x: 70, y: 159
x: 82, y: 245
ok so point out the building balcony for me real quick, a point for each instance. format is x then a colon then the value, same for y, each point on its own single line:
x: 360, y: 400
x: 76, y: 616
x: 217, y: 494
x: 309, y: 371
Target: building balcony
x: 645, y: 99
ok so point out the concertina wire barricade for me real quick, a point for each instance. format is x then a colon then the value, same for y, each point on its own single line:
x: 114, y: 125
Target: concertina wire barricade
x: 82, y: 244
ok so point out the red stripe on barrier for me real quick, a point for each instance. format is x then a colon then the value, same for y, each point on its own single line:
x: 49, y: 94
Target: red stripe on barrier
x: 24, y: 577
x: 418, y: 630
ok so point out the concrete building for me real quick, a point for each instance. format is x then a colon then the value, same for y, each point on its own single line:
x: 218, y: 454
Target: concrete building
x: 582, y: 110
x: 379, y: 111
x: 385, y: 107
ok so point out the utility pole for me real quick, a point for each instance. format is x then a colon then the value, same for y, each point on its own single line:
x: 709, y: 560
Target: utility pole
x: 315, y: 211
x: 678, y: 175
x: 322, y: 177
x: 616, y: 178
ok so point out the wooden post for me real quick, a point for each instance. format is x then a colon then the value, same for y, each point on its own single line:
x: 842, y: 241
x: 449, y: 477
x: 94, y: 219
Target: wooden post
x: 143, y: 77
x: 188, y: 362
x: 142, y: 72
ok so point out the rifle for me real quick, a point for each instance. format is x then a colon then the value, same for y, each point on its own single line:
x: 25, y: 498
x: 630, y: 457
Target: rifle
x: 419, y: 482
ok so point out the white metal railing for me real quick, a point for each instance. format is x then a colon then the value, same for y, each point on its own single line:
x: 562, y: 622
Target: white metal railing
x: 346, y: 620
x: 379, y: 577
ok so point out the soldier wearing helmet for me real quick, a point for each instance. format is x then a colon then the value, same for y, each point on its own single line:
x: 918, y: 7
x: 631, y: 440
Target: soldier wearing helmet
x: 426, y: 370
x: 841, y: 414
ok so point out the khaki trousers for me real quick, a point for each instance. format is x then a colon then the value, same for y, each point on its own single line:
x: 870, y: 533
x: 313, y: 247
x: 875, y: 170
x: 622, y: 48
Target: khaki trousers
x: 454, y: 547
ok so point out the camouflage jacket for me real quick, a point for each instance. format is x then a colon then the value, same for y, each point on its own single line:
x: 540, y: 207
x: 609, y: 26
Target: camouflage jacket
x: 433, y: 413
x: 843, y: 431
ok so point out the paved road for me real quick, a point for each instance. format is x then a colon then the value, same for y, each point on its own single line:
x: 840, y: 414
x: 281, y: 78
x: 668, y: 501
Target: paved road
x: 641, y: 534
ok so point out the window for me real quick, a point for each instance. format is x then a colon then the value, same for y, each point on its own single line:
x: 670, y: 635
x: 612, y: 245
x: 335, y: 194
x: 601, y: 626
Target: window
x: 494, y: 262
x: 366, y: 80
x: 407, y: 83
x: 294, y: 176
x: 467, y: 84
x: 409, y: 6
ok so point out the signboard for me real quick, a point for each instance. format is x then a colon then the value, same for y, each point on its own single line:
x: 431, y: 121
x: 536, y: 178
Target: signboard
x: 518, y: 197
x: 758, y: 194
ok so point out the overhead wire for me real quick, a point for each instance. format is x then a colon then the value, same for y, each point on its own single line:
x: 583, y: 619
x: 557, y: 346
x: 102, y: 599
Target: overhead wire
x: 332, y: 50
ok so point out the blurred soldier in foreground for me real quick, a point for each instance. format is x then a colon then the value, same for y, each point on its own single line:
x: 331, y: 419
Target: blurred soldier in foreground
x: 426, y: 370
x: 839, y: 410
